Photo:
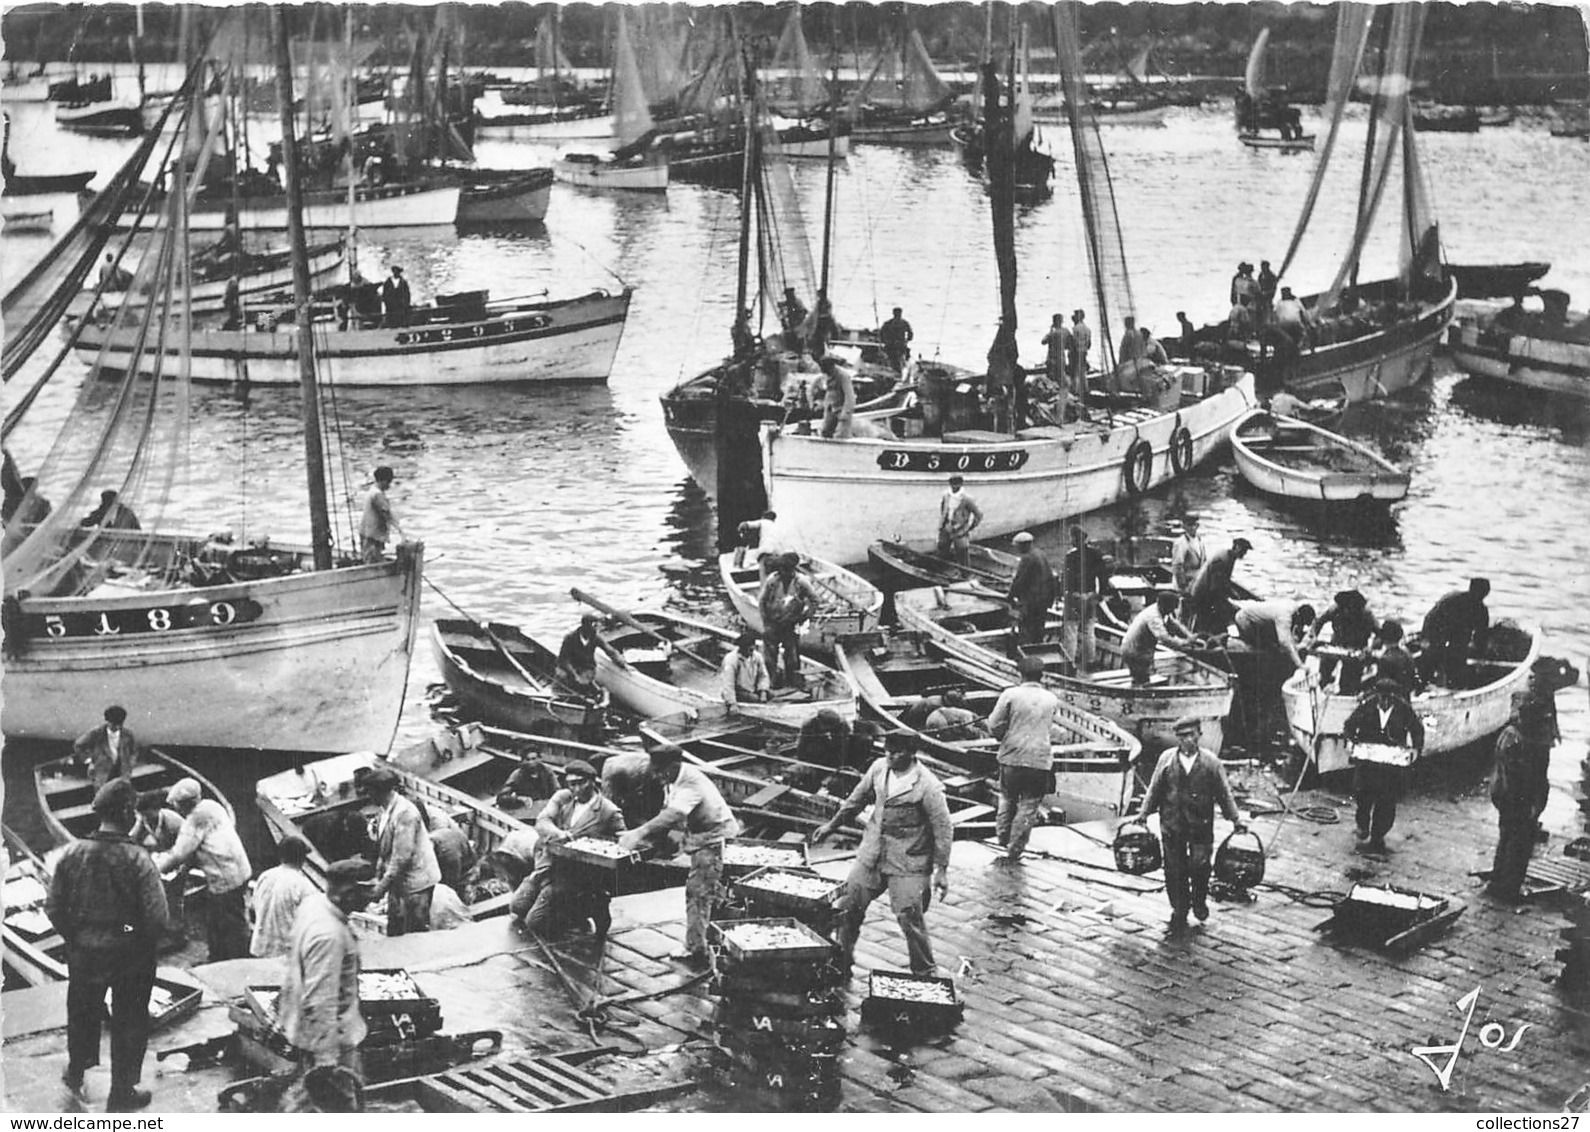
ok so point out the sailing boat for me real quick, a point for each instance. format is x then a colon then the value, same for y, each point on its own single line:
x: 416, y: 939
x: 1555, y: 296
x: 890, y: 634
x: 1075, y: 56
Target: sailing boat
x: 903, y: 100
x: 801, y: 99
x: 1367, y: 339
x: 548, y: 109
x: 207, y: 643
x: 631, y: 167
x: 1261, y: 108
x: 835, y: 498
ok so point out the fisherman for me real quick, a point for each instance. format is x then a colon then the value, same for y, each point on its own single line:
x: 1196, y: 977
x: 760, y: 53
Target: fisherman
x: 691, y: 806
x: 278, y: 893
x: 1081, y: 343
x: 743, y: 679
x: 111, y: 514
x: 406, y: 868
x: 1187, y: 555
x: 1188, y: 782
x: 1155, y: 623
x: 767, y: 539
x: 959, y: 516
x: 820, y: 328
x: 1085, y: 571
x: 1519, y: 788
x: 787, y: 600
x: 999, y: 383
x: 1131, y: 348
x: 1292, y: 317
x: 378, y: 523
x: 952, y: 720
x: 1153, y: 349
x: 1382, y: 717
x: 1032, y: 590
x: 1276, y: 627
x: 1455, y: 630
x: 106, y: 902
x: 792, y: 313
x: 1286, y: 404
x: 113, y: 278
x: 1392, y: 660
x: 1239, y: 321
x: 823, y: 744
x: 232, y: 303
x: 628, y: 781
x: 395, y: 299
x: 904, y: 851
x: 107, y: 751
x: 561, y: 894
x: 209, y: 838
x: 158, y: 825
x: 839, y: 399
x: 1267, y: 285
x: 1244, y: 288
x: 532, y: 780
x: 1189, y: 334
x: 318, y: 1009
x: 455, y: 856
x: 577, y: 657
x: 896, y: 336
x: 1021, y: 720
x: 1210, y: 596
x: 1058, y: 344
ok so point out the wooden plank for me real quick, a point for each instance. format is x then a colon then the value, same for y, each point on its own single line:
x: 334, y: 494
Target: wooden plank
x: 447, y: 1093
x: 767, y: 794
x: 514, y: 1079
x: 568, y: 1078
x: 970, y: 813
x: 507, y: 1090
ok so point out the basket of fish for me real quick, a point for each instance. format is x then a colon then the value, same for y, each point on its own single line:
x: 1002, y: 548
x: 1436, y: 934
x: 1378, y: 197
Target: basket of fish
x: 777, y: 939
x: 1381, y: 754
x: 743, y: 855
x: 901, y: 999
x: 594, y: 851
x: 792, y: 891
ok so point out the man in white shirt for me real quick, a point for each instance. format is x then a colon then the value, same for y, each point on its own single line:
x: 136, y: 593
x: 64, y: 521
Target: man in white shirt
x: 109, y: 750
x: 1155, y: 623
x: 959, y: 516
x: 1280, y: 626
x: 319, y: 1005
x: 1187, y: 554
x: 1021, y: 719
x: 769, y: 541
x: 209, y: 838
x: 277, y: 895
x: 744, y: 678
x: 378, y: 522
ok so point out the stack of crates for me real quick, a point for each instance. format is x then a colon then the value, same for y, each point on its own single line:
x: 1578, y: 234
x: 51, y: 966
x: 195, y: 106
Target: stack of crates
x: 1574, y: 955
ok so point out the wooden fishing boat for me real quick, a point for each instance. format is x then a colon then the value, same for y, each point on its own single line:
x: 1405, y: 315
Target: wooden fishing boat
x: 504, y: 196
x: 970, y: 632
x: 1495, y: 280
x: 631, y: 167
x: 1546, y: 350
x: 1293, y: 459
x: 504, y: 677
x: 1265, y: 141
x: 672, y: 667
x: 1435, y: 118
x: 911, y: 130
x: 26, y: 184
x: 103, y: 119
x: 905, y: 568
x: 1453, y: 717
x: 647, y: 174
x: 846, y: 603
x: 16, y: 223
x: 426, y: 202
x: 259, y: 275
x: 66, y: 795
x: 1093, y: 758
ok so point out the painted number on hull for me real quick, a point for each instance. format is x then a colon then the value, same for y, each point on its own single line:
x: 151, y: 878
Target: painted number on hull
x: 916, y: 460
x: 479, y: 330
x: 157, y: 619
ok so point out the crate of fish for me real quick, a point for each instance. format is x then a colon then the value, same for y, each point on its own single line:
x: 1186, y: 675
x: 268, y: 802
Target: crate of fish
x: 1382, y: 911
x: 780, y: 938
x: 595, y: 851
x: 795, y: 892
x: 742, y: 855
x: 899, y: 999
x: 753, y: 1017
x: 754, y: 980
x: 171, y: 1001
x: 1380, y: 754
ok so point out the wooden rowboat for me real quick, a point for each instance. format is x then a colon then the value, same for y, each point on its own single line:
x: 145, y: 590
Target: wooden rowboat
x: 906, y: 568
x: 66, y: 795
x: 1293, y: 459
x: 1495, y: 280
x: 1266, y: 141
x: 683, y: 676
x: 846, y: 603
x: 504, y: 677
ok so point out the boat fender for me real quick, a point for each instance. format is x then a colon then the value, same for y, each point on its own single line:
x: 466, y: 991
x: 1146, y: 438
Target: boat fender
x: 1138, y: 466
x: 1181, y: 447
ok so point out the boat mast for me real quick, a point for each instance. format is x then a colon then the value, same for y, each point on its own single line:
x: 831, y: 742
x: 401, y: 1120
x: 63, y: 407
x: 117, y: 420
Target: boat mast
x: 742, y: 329
x: 314, y: 454
x: 828, y: 196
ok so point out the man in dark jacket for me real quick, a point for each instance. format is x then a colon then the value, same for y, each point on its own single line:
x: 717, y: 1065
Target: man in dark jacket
x: 1519, y: 790
x: 1384, y: 718
x: 1454, y: 630
x: 1032, y: 590
x: 109, y: 750
x: 107, y: 902
x: 1393, y: 660
x: 1352, y: 626
x: 1187, y: 784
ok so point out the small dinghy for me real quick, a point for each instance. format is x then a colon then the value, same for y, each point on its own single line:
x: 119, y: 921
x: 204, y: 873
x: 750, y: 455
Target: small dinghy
x: 506, y: 678
x: 1293, y: 459
x: 846, y: 603
x: 905, y: 568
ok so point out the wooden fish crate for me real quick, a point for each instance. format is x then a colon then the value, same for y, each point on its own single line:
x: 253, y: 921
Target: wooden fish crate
x: 596, y: 852
x: 393, y: 1006
x: 742, y: 855
x: 1380, y: 754
x: 795, y: 892
x: 901, y: 1000
x: 1390, y: 918
x: 171, y: 1001
x: 779, y: 938
x: 757, y: 1018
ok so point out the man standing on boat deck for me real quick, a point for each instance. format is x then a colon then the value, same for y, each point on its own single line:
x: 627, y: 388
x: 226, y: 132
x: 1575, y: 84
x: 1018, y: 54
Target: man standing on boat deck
x: 1188, y: 782
x: 1021, y: 720
x: 1385, y: 718
x: 1454, y: 630
x: 106, y: 901
x: 787, y: 600
x: 1081, y: 343
x: 577, y: 657
x: 839, y: 399
x: 896, y: 337
x: 959, y: 515
x: 1032, y: 590
x: 318, y: 1009
x: 1352, y: 626
x: 1187, y: 555
x: 743, y: 679
x: 232, y: 303
x: 1154, y: 623
x: 406, y: 868
x: 692, y: 806
x: 396, y: 299
x: 1267, y: 286
x: 210, y: 838
x: 1520, y: 788
x: 904, y: 851
x: 1209, y: 596
x: 378, y: 523
x: 109, y: 750
x: 1392, y: 660
x: 1292, y: 317
x: 1058, y: 345
x: 1131, y: 348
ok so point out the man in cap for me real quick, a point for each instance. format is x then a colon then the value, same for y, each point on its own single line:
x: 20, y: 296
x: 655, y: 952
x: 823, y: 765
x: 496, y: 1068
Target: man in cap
x: 691, y: 806
x: 896, y: 337
x: 1520, y: 787
x: 1292, y: 317
x: 743, y: 678
x: 1385, y: 718
x: 1392, y: 660
x: 1188, y: 782
x: 1454, y: 630
x: 378, y: 522
x: 107, y: 903
x: 1021, y: 719
x: 277, y: 895
x: 1081, y: 343
x: 905, y: 850
x: 209, y: 838
x: 839, y: 399
x: 577, y: 657
x: 396, y: 299
x: 1187, y: 555
x: 532, y: 780
x: 1032, y: 590
x: 959, y: 515
x: 109, y: 750
x: 562, y: 894
x: 406, y: 868
x: 1210, y: 594
x: 1352, y: 627
x: 318, y: 1009
x: 787, y: 600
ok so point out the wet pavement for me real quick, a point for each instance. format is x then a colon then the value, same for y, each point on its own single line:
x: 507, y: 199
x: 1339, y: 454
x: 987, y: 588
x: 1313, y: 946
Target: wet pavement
x: 1077, y: 997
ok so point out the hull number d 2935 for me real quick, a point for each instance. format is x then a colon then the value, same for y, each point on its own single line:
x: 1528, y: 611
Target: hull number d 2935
x: 918, y: 460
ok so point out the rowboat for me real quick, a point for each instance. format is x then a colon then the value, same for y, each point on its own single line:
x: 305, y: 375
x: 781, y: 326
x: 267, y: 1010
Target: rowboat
x: 66, y: 795
x: 1495, y: 280
x: 1093, y: 757
x: 603, y: 171
x: 1453, y: 717
x: 969, y: 632
x: 504, y: 677
x: 258, y: 275
x: 17, y: 223
x: 1293, y: 459
x: 1547, y: 350
x: 846, y: 603
x: 905, y: 568
x: 683, y: 678
x: 26, y: 184
x: 498, y: 196
x: 107, y: 119
x: 1265, y: 141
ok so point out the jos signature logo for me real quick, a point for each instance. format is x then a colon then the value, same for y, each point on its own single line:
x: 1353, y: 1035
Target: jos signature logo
x: 1492, y: 1035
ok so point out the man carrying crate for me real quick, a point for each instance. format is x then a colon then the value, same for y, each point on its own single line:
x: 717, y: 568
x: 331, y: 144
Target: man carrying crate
x: 1383, y: 719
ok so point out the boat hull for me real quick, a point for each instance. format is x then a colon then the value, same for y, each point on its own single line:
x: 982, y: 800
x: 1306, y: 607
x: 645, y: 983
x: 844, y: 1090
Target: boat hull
x: 651, y: 177
x: 835, y: 616
x: 1542, y: 364
x: 419, y: 205
x: 515, y: 708
x: 305, y: 662
x: 571, y: 341
x: 838, y: 497
x: 1259, y: 141
x: 1377, y: 481
x: 520, y: 127
x: 524, y: 200
x: 211, y: 295
x: 911, y: 133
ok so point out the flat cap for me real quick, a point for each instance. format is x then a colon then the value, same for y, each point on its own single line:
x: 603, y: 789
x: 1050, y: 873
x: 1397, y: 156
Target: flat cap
x: 186, y: 790
x: 1188, y: 723
x: 115, y: 798
x: 381, y: 778
x: 1387, y: 684
x: 1021, y: 537
x: 666, y: 753
x: 579, y: 766
x: 350, y: 870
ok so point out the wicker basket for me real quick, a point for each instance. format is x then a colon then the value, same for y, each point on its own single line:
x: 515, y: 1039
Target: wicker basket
x: 1239, y: 861
x: 1136, y: 848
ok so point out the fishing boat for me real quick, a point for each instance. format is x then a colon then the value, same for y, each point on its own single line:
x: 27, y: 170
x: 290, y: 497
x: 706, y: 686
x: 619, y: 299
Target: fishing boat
x: 1261, y: 107
x: 287, y: 649
x: 66, y: 794
x: 895, y: 673
x: 970, y: 632
x: 1264, y: 141
x: 548, y: 108
x: 1495, y: 280
x: 504, y: 196
x: 1293, y: 459
x: 32, y: 184
x: 504, y: 677
x: 16, y: 223
x: 903, y: 100
x: 846, y: 603
x: 1435, y: 118
x: 260, y: 275
x: 1453, y: 717
x: 101, y: 119
x: 1546, y: 349
x: 631, y: 167
x: 906, y: 568
x: 671, y: 667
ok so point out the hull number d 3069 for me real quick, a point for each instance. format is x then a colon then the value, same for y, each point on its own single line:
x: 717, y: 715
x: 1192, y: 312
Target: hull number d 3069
x: 918, y: 460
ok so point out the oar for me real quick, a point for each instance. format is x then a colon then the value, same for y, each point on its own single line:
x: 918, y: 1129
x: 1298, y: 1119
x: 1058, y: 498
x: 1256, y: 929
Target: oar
x: 602, y: 607
x: 990, y: 575
x: 492, y: 637
x: 844, y: 597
